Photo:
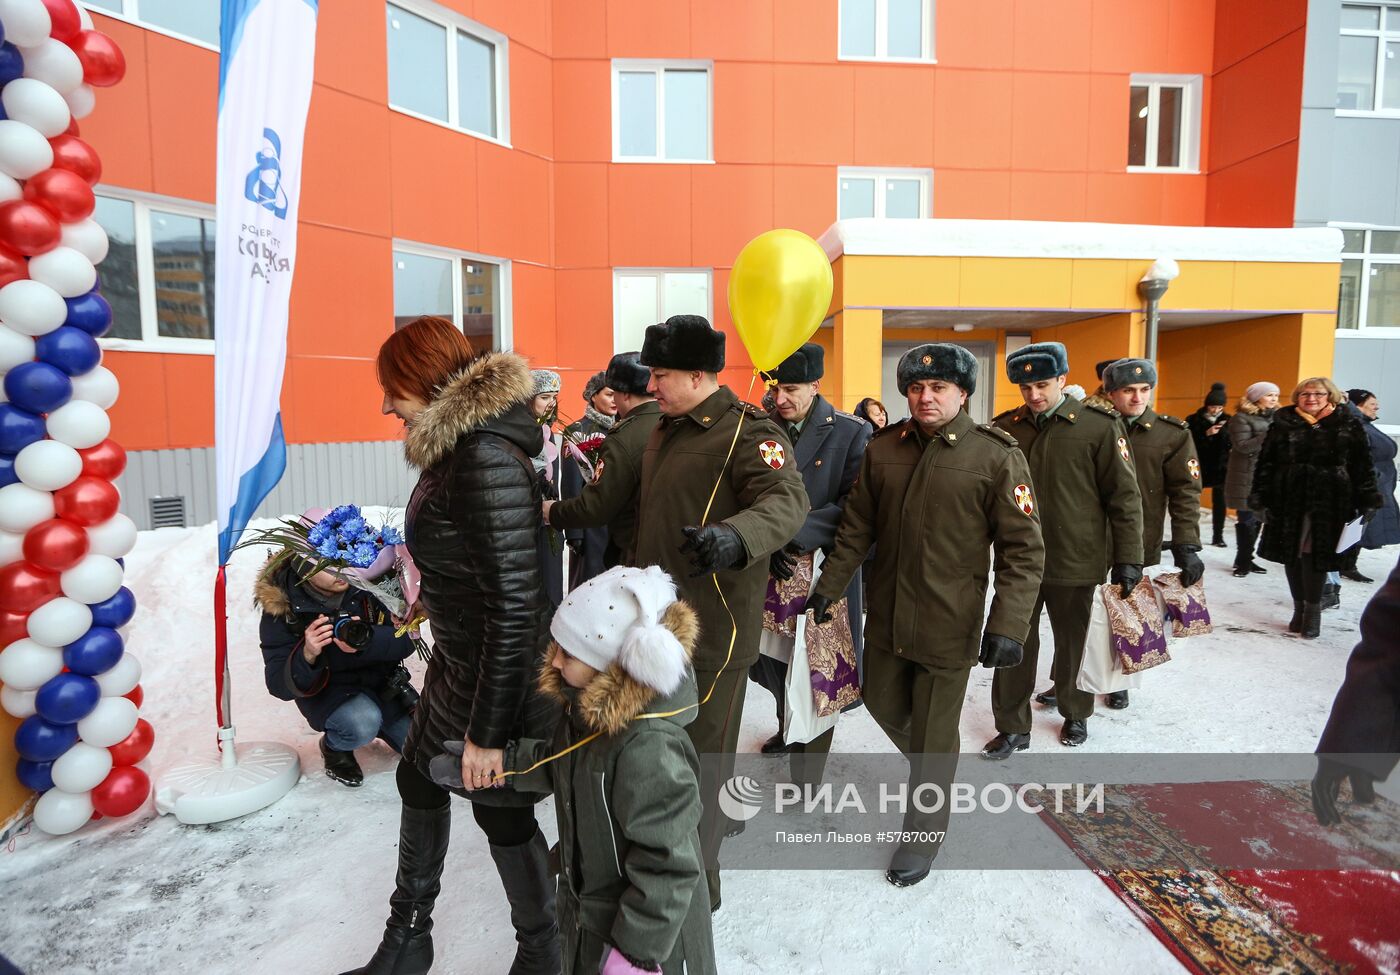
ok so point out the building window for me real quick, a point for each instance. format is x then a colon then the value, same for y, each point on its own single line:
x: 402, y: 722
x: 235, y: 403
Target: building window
x: 445, y: 68
x: 1369, y: 294
x: 1164, y: 123
x: 429, y: 281
x: 886, y: 30
x: 643, y: 297
x: 158, y: 275
x: 661, y: 111
x: 899, y: 193
x: 196, y: 20
x: 1368, y: 58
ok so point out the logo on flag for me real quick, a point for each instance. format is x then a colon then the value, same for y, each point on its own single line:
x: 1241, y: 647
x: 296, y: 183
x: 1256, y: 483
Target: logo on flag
x: 1024, y: 501
x: 772, y: 453
x: 264, y: 184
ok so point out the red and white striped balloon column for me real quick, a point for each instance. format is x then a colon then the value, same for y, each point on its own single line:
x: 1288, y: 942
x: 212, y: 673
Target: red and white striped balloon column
x: 64, y: 664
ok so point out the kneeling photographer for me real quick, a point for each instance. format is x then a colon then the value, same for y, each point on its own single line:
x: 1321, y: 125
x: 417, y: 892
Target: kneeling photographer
x: 333, y: 650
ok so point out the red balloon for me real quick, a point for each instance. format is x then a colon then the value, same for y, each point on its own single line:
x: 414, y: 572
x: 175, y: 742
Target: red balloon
x: 56, y: 545
x: 107, y: 460
x: 62, y: 192
x: 136, y: 696
x: 28, y: 227
x: 64, y: 18
x: 72, y: 127
x: 122, y: 792
x: 13, y: 266
x: 24, y: 587
x: 13, y: 626
x: 88, y: 501
x: 134, y: 746
x: 76, y: 156
x: 103, y: 62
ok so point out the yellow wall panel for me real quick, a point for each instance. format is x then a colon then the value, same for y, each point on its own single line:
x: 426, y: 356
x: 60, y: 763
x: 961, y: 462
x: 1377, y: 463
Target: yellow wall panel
x: 1286, y: 287
x: 1103, y: 284
x: 858, y: 347
x: 997, y: 282
x: 1202, y: 286
x: 901, y: 282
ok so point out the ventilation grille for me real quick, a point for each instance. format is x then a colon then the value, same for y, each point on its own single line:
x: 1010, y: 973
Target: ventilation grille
x: 168, y: 513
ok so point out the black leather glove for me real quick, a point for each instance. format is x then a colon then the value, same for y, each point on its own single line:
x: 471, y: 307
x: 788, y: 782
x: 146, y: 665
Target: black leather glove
x: 820, y: 608
x: 1190, y: 564
x: 999, y: 651
x: 1367, y: 515
x: 1327, y: 786
x: 1126, y: 577
x: 712, y: 548
x: 783, y: 562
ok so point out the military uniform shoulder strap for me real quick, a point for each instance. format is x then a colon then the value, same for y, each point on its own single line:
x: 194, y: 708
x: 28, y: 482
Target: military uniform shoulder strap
x: 998, y: 435
x: 1182, y: 424
x: 753, y: 411
x: 890, y: 428
x: 1107, y: 411
x: 1005, y: 416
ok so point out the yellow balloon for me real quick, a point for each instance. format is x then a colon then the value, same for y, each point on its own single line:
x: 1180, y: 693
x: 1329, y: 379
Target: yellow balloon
x: 779, y: 293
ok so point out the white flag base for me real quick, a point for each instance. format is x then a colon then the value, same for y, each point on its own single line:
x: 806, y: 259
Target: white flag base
x: 240, y: 780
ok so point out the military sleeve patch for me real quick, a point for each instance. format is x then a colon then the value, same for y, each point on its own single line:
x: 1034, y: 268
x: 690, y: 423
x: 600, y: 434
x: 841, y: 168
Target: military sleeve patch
x: 1194, y: 466
x: 772, y: 453
x: 1024, y: 501
x: 598, y: 471
x: 1124, y: 452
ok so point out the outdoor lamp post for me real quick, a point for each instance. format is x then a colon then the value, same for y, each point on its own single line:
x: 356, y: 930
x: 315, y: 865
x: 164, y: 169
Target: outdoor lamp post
x: 1152, y: 286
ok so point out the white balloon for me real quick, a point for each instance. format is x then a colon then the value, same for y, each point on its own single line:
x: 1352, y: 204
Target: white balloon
x: 28, y: 666
x: 64, y: 269
x: 110, y: 722
x: 31, y: 307
x: 59, y: 813
x: 26, y: 21
x: 99, y: 386
x: 95, y: 578
x: 81, y: 768
x: 54, y: 63
x: 10, y: 188
x: 14, y: 348
x: 81, y: 101
x: 11, y: 547
x: 79, y: 424
x: 37, y: 104
x: 22, y: 507
x: 86, y: 237
x: 48, y: 465
x: 114, y: 537
x: 122, y: 677
x: 17, y: 703
x: 23, y: 149
x: 59, y: 622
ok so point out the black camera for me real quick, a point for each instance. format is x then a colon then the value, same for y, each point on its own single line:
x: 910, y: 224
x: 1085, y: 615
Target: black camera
x: 399, y: 689
x: 350, y: 631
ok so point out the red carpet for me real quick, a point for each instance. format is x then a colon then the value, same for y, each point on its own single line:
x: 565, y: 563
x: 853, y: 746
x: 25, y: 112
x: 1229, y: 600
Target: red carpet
x: 1228, y: 920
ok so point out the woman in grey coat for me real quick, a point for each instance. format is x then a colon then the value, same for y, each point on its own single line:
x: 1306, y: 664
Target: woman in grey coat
x: 1246, y: 431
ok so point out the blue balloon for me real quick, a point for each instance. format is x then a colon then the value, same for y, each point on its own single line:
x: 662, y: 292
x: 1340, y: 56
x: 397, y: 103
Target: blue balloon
x: 34, y: 775
x: 18, y: 428
x: 38, y: 387
x: 116, y: 611
x: 11, y: 63
x: 7, y: 470
x: 41, y: 741
x: 95, y: 652
x: 71, y: 349
x: 90, y: 312
x: 67, y: 698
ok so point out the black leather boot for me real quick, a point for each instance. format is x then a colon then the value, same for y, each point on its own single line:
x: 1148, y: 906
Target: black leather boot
x: 1331, y: 595
x: 1312, y: 621
x: 342, y: 766
x: 524, y: 871
x: 908, y: 867
x: 1003, y: 745
x: 1118, y: 700
x: 1295, y: 625
x: 1074, y: 732
x: 407, y: 945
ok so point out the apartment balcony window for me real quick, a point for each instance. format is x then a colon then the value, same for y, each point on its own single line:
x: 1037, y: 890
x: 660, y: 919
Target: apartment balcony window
x: 470, y: 290
x: 645, y: 296
x: 1368, y: 60
x: 897, y: 193
x: 1369, y: 293
x: 447, y: 69
x: 886, y: 30
x: 661, y: 111
x: 1164, y: 123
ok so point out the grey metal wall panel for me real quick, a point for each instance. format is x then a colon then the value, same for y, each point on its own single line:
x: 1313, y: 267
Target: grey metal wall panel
x: 1372, y: 364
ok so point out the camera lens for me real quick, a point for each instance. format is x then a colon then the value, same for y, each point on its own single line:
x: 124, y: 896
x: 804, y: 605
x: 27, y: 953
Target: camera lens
x: 352, y: 632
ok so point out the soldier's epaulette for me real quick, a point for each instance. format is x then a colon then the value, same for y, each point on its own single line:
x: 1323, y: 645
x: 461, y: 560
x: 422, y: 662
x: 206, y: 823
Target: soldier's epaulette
x: 1105, y: 410
x: 997, y: 434
x: 1172, y: 420
x: 753, y: 411
x: 1005, y: 416
x: 890, y: 428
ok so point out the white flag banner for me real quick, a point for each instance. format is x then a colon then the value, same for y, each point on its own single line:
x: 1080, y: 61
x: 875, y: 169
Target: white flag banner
x: 267, y: 55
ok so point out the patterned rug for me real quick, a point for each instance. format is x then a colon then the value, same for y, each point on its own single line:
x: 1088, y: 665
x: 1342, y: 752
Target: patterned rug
x: 1224, y: 920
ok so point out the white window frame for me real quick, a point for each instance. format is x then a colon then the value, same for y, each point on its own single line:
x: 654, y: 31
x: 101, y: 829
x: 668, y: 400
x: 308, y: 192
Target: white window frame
x: 882, y: 37
x: 1363, y: 299
x: 1190, y: 119
x: 505, y: 329
x: 1380, y: 34
x: 659, y: 273
x: 131, y: 14
x: 659, y: 67
x: 453, y: 21
x: 881, y: 174
x: 151, y: 340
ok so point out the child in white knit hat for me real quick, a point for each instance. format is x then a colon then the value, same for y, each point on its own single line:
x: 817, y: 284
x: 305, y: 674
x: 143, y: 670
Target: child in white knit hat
x: 632, y: 896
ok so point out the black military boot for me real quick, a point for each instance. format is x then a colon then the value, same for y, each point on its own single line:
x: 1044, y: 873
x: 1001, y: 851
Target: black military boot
x: 908, y: 867
x: 1046, y: 698
x: 1312, y: 621
x: 1075, y: 732
x: 342, y: 766
x: 1218, y: 541
x: 407, y: 945
x: 1118, y: 700
x: 1000, y: 748
x: 775, y: 745
x: 1355, y: 575
x: 1295, y: 625
x: 1331, y: 595
x: 524, y: 871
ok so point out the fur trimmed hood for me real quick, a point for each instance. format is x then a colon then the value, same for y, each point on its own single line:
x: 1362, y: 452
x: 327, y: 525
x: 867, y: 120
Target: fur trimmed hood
x: 484, y: 391
x: 269, y: 596
x: 614, y: 698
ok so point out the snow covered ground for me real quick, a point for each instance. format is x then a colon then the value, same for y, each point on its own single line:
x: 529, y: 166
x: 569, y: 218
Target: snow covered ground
x: 302, y: 886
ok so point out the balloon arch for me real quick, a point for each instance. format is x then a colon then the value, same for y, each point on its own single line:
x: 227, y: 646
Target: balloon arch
x: 64, y: 665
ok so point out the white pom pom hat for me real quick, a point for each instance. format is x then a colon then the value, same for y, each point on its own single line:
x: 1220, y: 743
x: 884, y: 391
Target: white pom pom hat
x: 616, y: 618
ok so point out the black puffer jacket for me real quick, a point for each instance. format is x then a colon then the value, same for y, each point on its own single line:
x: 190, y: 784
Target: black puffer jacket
x: 472, y: 526
x: 1319, y: 471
